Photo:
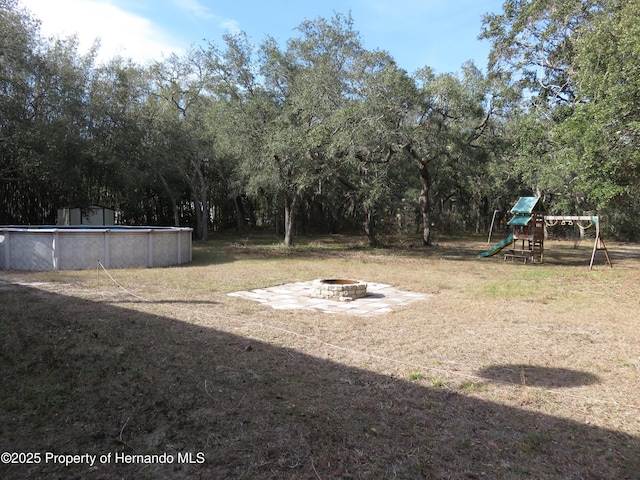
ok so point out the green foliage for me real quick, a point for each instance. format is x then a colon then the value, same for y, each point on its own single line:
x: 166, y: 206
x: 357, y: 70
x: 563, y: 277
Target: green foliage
x: 470, y: 386
x: 320, y: 134
x: 608, y: 120
x: 438, y: 383
x: 45, y: 154
x: 534, y: 42
x: 576, y: 140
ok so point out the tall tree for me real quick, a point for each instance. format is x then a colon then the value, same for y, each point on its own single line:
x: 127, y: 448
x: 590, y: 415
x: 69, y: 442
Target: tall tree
x: 450, y: 118
x: 119, y: 131
x: 369, y: 131
x: 19, y: 43
x: 180, y: 88
x: 46, y: 158
x: 308, y: 82
x: 577, y: 60
x: 244, y: 111
x: 604, y: 128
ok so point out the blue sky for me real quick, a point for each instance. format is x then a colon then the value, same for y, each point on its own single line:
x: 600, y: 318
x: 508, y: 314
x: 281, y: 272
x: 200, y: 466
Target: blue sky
x: 441, y: 34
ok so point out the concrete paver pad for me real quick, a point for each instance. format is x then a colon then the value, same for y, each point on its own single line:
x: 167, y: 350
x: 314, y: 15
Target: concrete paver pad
x: 380, y: 299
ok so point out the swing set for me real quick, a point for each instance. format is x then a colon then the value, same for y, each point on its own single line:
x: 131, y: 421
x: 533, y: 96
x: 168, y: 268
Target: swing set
x: 553, y: 220
x: 526, y: 240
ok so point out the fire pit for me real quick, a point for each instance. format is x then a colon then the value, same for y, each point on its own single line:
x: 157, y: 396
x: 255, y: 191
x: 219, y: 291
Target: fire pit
x: 338, y: 289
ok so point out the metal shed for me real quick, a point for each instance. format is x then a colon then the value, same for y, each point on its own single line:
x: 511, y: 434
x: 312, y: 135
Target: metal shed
x: 91, y: 215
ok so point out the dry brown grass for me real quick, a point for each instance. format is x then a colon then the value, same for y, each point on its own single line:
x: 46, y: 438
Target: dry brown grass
x: 506, y: 371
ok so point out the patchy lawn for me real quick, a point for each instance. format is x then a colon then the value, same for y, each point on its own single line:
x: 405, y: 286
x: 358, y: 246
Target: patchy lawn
x: 505, y: 371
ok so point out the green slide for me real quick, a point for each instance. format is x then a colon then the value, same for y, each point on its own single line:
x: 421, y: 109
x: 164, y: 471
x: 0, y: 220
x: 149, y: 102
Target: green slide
x: 497, y: 247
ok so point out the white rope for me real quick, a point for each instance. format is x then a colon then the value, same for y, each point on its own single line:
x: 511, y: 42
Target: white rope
x: 114, y: 281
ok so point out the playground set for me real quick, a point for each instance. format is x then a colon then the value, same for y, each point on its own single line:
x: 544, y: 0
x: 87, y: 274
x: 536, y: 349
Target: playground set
x: 526, y: 239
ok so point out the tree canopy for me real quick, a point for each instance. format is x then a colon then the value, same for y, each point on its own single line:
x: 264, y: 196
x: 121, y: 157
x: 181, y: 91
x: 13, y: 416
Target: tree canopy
x: 320, y: 134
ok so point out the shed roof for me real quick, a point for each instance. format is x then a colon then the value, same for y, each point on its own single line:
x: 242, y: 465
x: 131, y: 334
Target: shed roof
x: 528, y: 205
x: 93, y: 206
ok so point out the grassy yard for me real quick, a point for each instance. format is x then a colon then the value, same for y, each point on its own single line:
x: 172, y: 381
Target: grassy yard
x: 506, y: 371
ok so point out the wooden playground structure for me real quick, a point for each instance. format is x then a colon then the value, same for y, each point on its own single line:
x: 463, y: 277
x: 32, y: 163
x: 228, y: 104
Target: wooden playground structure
x: 526, y: 240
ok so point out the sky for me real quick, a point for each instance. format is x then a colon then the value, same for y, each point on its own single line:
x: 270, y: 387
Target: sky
x: 441, y: 34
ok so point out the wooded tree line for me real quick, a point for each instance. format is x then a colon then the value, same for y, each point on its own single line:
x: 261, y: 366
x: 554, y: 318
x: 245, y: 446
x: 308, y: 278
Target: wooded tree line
x: 322, y: 135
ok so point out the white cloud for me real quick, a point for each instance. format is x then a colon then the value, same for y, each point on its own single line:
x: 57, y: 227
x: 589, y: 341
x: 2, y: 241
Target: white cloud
x: 119, y: 32
x: 232, y: 26
x: 195, y: 8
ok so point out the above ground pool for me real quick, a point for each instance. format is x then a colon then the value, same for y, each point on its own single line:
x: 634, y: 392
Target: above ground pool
x: 82, y: 247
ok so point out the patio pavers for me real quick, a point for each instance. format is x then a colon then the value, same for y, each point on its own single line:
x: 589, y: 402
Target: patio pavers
x: 380, y: 299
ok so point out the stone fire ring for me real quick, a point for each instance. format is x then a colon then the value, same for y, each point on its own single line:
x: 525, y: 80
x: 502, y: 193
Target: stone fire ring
x: 338, y: 289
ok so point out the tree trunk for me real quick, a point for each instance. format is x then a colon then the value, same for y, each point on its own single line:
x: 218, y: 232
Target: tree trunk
x: 201, y: 201
x: 482, y: 214
x: 425, y: 204
x: 424, y: 199
x: 288, y: 225
x: 290, y: 204
x: 240, y: 216
x: 199, y: 196
x: 204, y: 224
x: 174, y: 201
x: 204, y: 209
x: 369, y: 225
x: 176, y: 214
x: 196, y: 213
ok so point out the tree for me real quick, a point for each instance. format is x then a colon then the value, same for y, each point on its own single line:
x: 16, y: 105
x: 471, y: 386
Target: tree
x: 44, y: 147
x: 180, y: 90
x: 369, y: 132
x: 578, y: 133
x: 308, y: 84
x: 604, y: 128
x: 19, y: 42
x: 120, y: 133
x: 449, y: 120
x: 242, y: 112
x: 534, y: 41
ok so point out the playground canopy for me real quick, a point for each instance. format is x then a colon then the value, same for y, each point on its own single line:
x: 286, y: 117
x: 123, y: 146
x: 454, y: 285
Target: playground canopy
x: 520, y: 220
x: 528, y: 205
x: 524, y: 210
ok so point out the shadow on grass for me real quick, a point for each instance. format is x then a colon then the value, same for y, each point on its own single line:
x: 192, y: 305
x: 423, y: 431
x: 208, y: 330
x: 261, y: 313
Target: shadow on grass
x: 167, y: 302
x: 84, y: 377
x: 536, y: 376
